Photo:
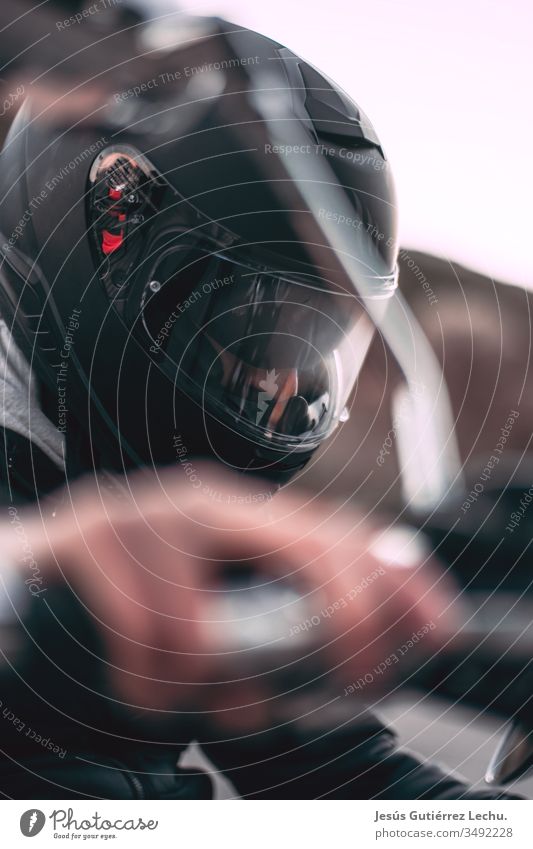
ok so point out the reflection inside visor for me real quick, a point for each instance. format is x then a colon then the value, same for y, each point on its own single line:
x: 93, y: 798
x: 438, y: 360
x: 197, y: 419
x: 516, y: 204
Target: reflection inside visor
x: 279, y: 355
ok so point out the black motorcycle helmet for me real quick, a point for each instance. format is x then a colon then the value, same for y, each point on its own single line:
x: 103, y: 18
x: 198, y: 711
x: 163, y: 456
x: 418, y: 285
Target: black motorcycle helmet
x: 167, y: 268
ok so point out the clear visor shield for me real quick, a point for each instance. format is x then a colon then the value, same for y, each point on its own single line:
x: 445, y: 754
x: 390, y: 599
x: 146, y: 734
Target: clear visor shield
x: 280, y: 356
x: 428, y: 453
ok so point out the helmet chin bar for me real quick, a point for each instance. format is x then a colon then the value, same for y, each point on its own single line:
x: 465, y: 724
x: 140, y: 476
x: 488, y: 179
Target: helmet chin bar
x: 428, y: 453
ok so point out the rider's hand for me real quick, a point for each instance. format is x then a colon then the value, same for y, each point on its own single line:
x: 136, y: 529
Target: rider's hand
x: 144, y: 566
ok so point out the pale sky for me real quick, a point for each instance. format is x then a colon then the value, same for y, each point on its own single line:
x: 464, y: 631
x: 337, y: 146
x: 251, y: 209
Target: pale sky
x: 448, y: 87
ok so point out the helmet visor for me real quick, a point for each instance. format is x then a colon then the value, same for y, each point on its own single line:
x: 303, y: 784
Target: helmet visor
x: 278, y: 355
